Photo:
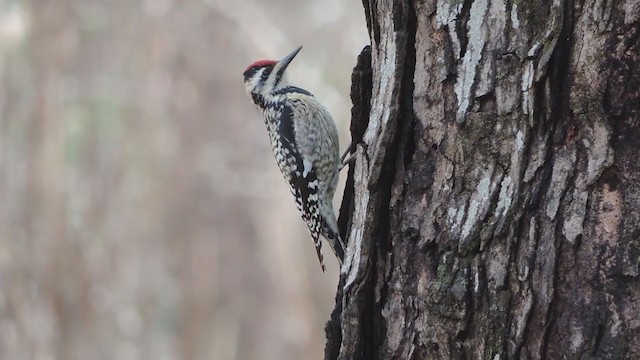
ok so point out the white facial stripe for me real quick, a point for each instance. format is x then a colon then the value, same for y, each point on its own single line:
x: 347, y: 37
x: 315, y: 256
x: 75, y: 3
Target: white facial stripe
x: 255, y: 80
x: 271, y: 80
x: 253, y: 84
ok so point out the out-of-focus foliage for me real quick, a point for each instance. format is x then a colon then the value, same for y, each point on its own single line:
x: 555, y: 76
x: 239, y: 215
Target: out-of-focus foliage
x: 141, y: 212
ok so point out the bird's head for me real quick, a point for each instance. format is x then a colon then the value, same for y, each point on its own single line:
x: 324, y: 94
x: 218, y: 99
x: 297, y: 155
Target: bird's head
x: 263, y: 77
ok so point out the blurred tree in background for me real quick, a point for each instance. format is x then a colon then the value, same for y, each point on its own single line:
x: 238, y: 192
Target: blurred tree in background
x: 141, y: 213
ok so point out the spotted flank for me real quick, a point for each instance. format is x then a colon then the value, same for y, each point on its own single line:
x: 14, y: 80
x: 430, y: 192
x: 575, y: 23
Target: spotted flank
x: 297, y: 171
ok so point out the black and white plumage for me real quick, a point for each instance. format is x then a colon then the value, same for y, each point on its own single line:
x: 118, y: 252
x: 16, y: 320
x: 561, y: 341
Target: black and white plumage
x: 304, y: 139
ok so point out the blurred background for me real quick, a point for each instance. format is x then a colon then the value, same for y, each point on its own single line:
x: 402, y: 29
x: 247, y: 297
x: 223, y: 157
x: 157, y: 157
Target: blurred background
x: 142, y: 215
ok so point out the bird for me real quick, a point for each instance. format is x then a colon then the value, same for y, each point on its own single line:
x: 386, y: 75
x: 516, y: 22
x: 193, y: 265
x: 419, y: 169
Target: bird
x: 304, y: 140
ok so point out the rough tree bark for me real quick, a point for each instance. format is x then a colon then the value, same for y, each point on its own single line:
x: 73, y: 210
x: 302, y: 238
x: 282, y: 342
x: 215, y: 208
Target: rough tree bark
x: 493, y: 211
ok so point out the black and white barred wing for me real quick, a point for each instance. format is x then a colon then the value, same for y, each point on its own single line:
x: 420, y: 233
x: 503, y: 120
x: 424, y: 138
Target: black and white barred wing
x: 301, y: 177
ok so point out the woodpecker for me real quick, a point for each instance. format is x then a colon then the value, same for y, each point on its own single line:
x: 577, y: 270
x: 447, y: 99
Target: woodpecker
x: 304, y: 140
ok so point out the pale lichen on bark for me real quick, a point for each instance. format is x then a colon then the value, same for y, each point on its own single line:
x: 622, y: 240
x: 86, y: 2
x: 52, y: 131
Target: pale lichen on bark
x: 467, y: 71
x: 478, y: 205
x: 352, y: 264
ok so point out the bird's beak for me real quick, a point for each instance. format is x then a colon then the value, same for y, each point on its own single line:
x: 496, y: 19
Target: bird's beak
x: 282, y: 64
x: 287, y: 59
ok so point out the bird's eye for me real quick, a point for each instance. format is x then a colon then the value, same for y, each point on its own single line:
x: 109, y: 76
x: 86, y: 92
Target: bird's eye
x: 251, y: 72
x: 265, y: 73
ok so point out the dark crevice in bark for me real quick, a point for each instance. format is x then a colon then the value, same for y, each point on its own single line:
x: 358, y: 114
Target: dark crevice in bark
x: 559, y: 69
x: 598, y: 338
x: 553, y: 311
x: 361, y: 86
x: 559, y: 80
x: 461, y: 27
x: 468, y: 330
x: 410, y: 144
x: 372, y: 331
x: 543, y: 176
x: 506, y: 33
x: 523, y: 233
x: 610, y: 177
x: 558, y: 76
x: 369, y: 327
x: 372, y: 20
x: 332, y: 327
x: 485, y: 103
x: 450, y: 101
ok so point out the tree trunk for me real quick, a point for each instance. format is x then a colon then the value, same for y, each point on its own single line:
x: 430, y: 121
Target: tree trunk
x: 493, y: 210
